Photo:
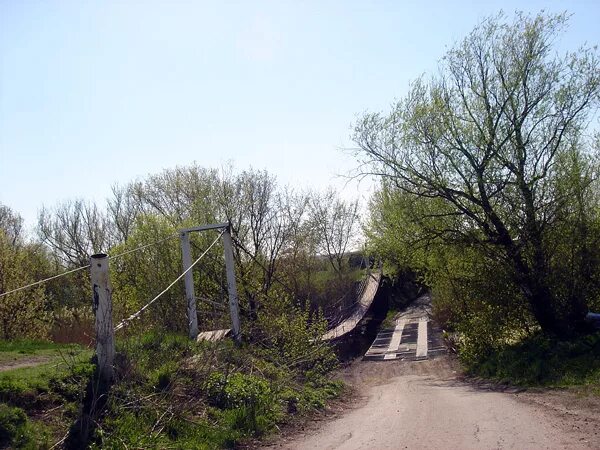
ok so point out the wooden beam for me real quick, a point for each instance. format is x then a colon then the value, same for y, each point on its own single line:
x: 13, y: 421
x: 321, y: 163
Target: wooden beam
x: 231, y: 286
x: 189, y: 285
x: 213, y: 226
x: 102, y: 307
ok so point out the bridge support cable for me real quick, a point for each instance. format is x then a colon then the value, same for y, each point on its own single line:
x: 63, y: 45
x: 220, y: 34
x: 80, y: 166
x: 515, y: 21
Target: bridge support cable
x: 231, y: 282
x: 87, y: 266
x: 45, y: 280
x: 137, y: 314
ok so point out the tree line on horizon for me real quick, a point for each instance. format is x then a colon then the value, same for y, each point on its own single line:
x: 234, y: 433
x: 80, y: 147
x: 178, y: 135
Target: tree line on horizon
x: 288, y: 243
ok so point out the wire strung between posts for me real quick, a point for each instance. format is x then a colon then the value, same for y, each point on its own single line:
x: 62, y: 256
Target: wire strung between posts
x: 141, y: 247
x: 138, y: 313
x: 37, y: 283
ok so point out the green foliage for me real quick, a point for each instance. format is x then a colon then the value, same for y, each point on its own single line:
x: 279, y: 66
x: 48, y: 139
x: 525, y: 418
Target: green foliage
x: 540, y: 360
x: 14, y: 430
x: 316, y: 396
x: 291, y: 337
x: 236, y: 390
x: 249, y: 400
x: 22, y: 314
x: 469, y: 160
x: 137, y: 277
x: 172, y: 392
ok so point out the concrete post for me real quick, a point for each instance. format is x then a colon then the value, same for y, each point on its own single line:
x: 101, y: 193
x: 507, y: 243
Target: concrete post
x: 231, y: 286
x: 102, y: 306
x: 189, y: 285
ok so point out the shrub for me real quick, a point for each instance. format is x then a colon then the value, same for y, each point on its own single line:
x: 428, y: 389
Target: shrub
x: 13, y: 427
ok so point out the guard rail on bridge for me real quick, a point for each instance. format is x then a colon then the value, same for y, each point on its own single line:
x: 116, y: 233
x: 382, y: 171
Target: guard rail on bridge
x: 362, y: 306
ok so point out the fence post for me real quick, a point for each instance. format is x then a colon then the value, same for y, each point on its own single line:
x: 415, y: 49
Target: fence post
x: 102, y: 306
x: 231, y: 286
x: 189, y: 285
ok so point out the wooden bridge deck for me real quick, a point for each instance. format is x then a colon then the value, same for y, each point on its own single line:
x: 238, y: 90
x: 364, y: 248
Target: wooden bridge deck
x: 364, y: 303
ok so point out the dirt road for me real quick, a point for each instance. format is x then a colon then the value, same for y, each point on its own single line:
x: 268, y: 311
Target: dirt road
x: 423, y: 405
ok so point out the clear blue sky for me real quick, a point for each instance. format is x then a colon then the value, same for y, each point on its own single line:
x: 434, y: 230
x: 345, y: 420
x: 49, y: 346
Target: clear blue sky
x: 95, y: 93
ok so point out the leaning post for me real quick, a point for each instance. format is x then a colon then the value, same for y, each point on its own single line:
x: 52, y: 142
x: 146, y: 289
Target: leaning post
x: 102, y: 306
x: 189, y: 285
x: 231, y: 286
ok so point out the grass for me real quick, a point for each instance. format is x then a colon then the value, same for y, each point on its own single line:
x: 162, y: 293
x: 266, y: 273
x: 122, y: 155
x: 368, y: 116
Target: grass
x: 390, y: 319
x: 169, y: 392
x: 38, y: 376
x: 27, y: 394
x: 174, y: 393
x: 14, y: 351
x: 544, y: 361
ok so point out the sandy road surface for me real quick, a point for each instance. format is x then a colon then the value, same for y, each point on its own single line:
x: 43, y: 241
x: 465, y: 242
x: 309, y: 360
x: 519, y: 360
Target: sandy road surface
x: 422, y: 405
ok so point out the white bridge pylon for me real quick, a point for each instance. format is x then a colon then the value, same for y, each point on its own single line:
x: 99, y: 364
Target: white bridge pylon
x: 186, y: 253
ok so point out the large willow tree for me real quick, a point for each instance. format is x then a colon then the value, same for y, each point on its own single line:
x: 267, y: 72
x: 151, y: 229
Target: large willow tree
x: 495, y: 144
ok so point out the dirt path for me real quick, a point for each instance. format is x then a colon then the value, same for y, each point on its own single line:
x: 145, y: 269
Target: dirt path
x: 424, y: 405
x: 27, y: 361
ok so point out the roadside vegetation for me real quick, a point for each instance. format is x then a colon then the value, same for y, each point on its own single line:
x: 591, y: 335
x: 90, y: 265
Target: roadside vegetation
x: 294, y: 273
x: 541, y: 360
x: 489, y: 191
x: 169, y: 391
x: 40, y: 401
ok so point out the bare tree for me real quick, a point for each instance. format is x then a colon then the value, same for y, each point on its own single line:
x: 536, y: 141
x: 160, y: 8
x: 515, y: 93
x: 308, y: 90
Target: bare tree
x: 335, y: 222
x: 11, y: 223
x: 74, y: 230
x: 122, y: 211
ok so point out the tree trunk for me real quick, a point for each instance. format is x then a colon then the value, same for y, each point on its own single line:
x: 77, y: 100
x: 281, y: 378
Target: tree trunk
x: 541, y: 301
x: 532, y: 279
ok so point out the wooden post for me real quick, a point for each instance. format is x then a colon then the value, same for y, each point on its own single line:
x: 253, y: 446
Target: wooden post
x: 189, y: 285
x: 102, y: 306
x: 231, y: 286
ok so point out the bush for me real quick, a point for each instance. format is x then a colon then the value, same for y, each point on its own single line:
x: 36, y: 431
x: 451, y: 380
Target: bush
x: 236, y: 390
x: 14, y: 427
x: 291, y: 338
x: 542, y: 360
x: 249, y: 399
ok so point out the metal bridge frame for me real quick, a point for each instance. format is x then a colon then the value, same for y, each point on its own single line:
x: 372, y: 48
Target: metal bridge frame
x: 186, y: 253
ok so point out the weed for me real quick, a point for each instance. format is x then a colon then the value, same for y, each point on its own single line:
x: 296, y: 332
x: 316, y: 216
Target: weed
x: 542, y: 360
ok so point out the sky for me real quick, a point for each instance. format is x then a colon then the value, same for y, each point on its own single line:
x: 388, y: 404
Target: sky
x: 98, y: 93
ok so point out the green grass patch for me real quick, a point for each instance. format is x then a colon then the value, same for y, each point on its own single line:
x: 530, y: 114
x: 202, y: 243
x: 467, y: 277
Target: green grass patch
x: 175, y: 393
x: 28, y: 393
x: 544, y: 361
x: 390, y: 319
x: 37, y: 377
x: 12, y: 352
x: 31, y: 347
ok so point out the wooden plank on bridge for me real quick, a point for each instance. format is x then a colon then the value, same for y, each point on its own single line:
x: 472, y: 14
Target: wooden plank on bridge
x: 413, y: 339
x: 214, y: 335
